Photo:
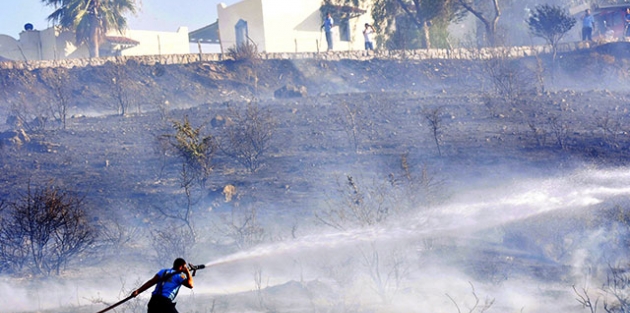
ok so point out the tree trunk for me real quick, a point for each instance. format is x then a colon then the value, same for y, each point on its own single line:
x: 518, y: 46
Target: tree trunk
x: 427, y: 35
x: 93, y: 42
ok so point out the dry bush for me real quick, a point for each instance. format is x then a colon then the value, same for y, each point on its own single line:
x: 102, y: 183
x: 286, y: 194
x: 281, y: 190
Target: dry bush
x: 507, y: 75
x: 172, y: 242
x: 434, y: 119
x: 249, y: 137
x: 246, y: 52
x: 387, y: 270
x: 485, y: 306
x: 191, y: 147
x: 357, y: 204
x: 59, y: 82
x: 247, y: 56
x: 43, y: 231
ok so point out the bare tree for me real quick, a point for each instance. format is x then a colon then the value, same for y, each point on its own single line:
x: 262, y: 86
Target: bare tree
x: 585, y: 300
x: 122, y: 87
x: 45, y: 230
x: 59, y: 81
x: 434, y: 117
x: 476, y: 307
x: 387, y: 271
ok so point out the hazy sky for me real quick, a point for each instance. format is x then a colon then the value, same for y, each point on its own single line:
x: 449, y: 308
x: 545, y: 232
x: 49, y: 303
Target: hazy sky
x: 158, y: 15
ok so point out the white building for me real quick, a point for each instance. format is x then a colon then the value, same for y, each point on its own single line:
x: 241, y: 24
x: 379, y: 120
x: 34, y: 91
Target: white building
x: 53, y: 44
x: 289, y: 26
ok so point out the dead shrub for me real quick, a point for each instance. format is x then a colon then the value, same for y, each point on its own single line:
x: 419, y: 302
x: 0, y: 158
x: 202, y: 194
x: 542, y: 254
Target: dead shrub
x: 249, y: 137
x: 245, y: 52
x: 43, y: 231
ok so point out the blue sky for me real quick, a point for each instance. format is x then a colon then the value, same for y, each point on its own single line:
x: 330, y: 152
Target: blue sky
x: 158, y: 15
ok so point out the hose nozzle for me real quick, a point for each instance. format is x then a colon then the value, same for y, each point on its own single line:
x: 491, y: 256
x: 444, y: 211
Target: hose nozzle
x: 194, y: 268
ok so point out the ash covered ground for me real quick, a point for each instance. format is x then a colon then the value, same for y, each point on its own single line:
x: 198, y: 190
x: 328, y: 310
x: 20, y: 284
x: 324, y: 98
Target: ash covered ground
x: 388, y: 186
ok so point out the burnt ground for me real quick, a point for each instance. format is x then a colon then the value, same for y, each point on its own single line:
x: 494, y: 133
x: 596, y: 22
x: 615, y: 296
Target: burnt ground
x: 365, y: 119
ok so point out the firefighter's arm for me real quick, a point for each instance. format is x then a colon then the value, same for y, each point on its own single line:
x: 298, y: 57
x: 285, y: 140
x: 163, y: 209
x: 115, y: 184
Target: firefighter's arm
x: 188, y: 282
x: 146, y: 286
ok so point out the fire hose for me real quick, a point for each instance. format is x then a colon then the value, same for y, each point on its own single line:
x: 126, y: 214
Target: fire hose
x: 192, y: 268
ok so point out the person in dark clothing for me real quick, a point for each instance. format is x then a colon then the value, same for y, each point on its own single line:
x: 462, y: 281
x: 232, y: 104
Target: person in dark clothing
x: 167, y: 281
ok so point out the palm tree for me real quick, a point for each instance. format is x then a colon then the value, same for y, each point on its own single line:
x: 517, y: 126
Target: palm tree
x: 91, y: 19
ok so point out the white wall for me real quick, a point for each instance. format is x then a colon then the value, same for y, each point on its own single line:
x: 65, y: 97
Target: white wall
x: 156, y: 43
x: 248, y: 10
x: 10, y: 48
x: 50, y: 44
x: 285, y: 26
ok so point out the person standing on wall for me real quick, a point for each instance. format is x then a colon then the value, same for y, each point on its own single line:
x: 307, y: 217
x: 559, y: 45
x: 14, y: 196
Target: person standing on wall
x: 367, y: 35
x: 327, y: 26
x: 167, y: 283
x: 587, y: 25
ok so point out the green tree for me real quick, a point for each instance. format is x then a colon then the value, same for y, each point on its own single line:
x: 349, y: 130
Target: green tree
x: 551, y: 23
x: 91, y: 19
x: 403, y: 22
x: 390, y: 17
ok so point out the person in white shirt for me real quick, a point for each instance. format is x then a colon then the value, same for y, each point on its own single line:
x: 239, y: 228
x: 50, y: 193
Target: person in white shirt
x: 367, y: 35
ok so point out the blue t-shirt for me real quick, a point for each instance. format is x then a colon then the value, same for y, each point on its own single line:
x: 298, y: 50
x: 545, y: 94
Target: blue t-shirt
x: 328, y: 24
x: 588, y: 21
x: 169, y: 287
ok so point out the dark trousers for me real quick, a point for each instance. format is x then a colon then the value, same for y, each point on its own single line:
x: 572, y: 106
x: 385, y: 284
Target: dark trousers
x: 159, y: 304
x: 587, y: 33
x: 329, y: 40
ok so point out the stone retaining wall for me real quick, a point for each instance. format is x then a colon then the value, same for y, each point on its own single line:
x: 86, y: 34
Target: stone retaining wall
x: 420, y: 54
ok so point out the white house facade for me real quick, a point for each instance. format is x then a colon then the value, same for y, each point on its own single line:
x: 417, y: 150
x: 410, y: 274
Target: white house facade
x: 289, y: 26
x: 53, y: 44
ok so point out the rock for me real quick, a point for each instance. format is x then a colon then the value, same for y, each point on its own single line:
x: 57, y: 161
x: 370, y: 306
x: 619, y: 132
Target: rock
x: 220, y: 121
x: 291, y: 91
x: 14, y: 138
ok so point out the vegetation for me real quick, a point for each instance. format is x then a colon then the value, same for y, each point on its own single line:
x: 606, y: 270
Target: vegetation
x: 550, y: 22
x: 91, y: 19
x: 403, y: 22
x: 43, y: 231
x: 249, y: 137
x: 490, y: 24
x: 59, y: 82
x: 194, y: 152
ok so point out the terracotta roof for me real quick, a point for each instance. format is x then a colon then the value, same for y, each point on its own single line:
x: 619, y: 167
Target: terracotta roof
x: 122, y: 40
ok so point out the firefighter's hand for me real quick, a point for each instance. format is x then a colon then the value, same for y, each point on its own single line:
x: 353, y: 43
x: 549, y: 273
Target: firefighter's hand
x: 187, y: 269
